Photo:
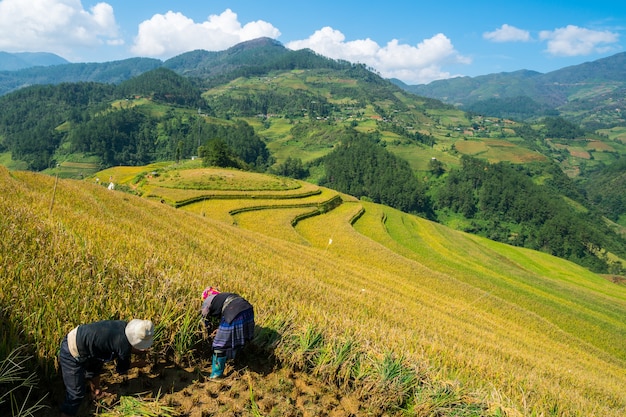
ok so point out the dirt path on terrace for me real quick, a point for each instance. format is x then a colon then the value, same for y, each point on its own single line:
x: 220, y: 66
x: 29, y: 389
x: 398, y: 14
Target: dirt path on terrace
x: 254, y: 385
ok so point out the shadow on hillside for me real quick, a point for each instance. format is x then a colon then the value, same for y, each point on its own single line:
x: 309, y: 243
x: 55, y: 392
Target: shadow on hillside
x: 48, y: 389
x: 16, y: 340
x: 255, y: 359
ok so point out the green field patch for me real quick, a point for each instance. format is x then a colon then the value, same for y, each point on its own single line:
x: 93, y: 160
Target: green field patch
x: 278, y: 128
x: 63, y: 127
x: 420, y: 156
x: 125, y: 174
x: 471, y: 147
x: 78, y: 170
x: 596, y: 145
x: 7, y: 161
x: 222, y: 179
x: 449, y: 117
x: 128, y: 103
x: 617, y: 133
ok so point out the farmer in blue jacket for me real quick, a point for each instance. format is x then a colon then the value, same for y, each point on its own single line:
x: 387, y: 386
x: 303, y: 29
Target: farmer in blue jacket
x: 87, y: 347
x: 235, y: 329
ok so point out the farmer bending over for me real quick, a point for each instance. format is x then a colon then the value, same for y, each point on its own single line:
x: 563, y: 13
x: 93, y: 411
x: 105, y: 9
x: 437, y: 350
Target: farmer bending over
x: 85, y: 349
x: 236, y: 325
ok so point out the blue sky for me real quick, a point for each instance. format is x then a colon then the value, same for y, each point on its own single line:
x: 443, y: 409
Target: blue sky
x: 415, y: 41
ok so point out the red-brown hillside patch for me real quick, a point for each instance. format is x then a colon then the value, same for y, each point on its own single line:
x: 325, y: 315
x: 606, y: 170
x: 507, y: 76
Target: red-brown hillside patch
x: 579, y: 153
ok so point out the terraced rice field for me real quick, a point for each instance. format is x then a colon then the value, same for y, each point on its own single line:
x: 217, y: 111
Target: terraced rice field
x: 385, y: 312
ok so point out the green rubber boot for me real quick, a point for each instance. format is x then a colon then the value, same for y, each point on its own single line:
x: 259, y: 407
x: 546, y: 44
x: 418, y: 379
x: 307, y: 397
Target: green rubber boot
x: 218, y: 364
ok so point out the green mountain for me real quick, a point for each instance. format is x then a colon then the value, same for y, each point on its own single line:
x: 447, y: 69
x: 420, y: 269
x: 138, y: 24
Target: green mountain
x: 248, y: 58
x: 205, y: 64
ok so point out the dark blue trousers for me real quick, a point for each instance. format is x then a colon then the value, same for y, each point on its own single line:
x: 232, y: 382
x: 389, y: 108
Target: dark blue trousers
x: 75, y: 373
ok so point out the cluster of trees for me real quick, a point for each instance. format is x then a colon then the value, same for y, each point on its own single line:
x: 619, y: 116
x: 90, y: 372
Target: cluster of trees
x: 604, y: 188
x: 293, y: 168
x: 516, y: 108
x: 361, y: 167
x: 504, y: 204
x: 557, y: 127
x: 130, y: 137
x: 121, y: 137
x: 242, y: 141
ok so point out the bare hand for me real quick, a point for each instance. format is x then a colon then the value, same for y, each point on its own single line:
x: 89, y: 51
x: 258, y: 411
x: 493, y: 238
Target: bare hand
x: 98, y: 394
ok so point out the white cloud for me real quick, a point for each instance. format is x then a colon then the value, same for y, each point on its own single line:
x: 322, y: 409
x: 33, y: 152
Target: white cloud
x: 418, y: 64
x: 173, y: 33
x: 58, y: 26
x: 507, y: 33
x: 574, y: 41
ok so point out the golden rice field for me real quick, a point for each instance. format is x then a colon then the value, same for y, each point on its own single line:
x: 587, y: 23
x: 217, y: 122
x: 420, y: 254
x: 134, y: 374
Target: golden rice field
x: 405, y: 315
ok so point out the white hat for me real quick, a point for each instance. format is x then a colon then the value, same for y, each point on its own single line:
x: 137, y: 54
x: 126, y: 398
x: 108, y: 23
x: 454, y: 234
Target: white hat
x: 140, y: 333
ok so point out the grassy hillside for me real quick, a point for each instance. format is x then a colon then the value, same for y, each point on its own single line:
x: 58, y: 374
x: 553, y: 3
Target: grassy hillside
x: 397, y: 117
x: 397, y: 313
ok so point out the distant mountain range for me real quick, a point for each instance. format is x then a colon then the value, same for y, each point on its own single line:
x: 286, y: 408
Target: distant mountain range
x: 592, y: 94
x: 13, y: 61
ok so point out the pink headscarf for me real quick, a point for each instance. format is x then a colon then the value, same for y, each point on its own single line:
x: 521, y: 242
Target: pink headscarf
x: 207, y: 296
x: 209, y: 291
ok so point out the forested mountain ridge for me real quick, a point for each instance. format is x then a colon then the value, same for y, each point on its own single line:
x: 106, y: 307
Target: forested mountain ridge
x: 299, y: 114
x: 204, y: 64
x: 591, y: 93
x: 588, y: 94
x: 247, y: 58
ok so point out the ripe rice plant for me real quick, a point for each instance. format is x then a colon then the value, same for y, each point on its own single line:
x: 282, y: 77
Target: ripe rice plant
x: 373, y: 300
x: 254, y: 407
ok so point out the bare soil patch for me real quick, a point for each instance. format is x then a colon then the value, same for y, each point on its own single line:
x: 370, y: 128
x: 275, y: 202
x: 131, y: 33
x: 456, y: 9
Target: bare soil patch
x: 254, y: 384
